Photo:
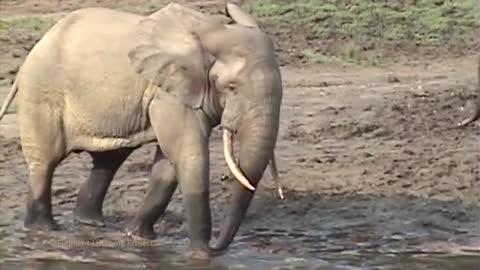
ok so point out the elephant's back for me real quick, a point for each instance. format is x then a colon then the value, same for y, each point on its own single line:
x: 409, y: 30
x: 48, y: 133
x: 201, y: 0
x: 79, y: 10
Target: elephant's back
x: 89, y: 46
x: 81, y: 67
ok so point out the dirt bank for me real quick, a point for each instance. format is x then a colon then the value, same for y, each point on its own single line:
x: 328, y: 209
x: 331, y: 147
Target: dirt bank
x: 353, y: 146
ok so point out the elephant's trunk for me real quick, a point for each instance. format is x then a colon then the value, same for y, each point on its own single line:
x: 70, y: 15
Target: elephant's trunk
x: 476, y: 112
x: 257, y: 141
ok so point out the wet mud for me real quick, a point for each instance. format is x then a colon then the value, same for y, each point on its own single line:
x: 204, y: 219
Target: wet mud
x: 375, y: 174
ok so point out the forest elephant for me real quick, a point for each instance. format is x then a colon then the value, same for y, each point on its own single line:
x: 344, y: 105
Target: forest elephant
x: 107, y: 82
x: 476, y: 110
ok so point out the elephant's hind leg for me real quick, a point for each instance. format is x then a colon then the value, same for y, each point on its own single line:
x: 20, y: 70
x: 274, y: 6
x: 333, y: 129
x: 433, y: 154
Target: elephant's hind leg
x: 92, y: 193
x: 163, y: 182
x: 39, y: 205
x: 43, y: 146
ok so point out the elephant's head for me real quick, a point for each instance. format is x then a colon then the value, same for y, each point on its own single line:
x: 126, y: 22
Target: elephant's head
x: 247, y: 78
x: 242, y: 90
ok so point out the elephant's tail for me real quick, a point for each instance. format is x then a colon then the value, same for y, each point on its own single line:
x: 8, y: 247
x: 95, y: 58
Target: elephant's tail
x: 476, y: 112
x: 10, y: 97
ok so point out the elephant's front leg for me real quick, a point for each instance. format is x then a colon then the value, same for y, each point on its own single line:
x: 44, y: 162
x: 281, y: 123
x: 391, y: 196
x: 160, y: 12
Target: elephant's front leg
x: 193, y: 174
x: 183, y: 137
x: 163, y: 183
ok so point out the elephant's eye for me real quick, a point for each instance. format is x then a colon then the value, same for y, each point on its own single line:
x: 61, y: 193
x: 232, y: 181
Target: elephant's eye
x: 231, y: 87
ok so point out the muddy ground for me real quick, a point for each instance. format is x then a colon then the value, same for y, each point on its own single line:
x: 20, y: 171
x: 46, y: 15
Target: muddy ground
x: 369, y: 158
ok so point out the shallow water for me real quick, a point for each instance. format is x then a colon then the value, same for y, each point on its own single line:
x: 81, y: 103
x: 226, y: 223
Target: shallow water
x: 163, y: 258
x: 306, y: 232
x: 21, y: 249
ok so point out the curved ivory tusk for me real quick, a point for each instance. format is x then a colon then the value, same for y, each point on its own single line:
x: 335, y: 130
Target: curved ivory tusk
x: 276, y: 178
x: 228, y: 152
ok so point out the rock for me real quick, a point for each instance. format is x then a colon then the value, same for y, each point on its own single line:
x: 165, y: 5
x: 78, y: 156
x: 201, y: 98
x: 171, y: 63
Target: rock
x: 16, y: 54
x: 330, y: 159
x: 301, y: 160
x: 409, y: 152
x: 392, y: 79
x: 367, y: 155
x: 13, y: 71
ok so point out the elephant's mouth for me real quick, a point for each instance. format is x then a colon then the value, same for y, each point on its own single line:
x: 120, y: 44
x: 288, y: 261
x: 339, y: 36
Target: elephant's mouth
x: 232, y: 165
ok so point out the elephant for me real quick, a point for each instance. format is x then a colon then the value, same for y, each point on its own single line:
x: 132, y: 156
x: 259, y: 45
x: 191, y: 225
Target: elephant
x: 476, y: 111
x: 107, y: 82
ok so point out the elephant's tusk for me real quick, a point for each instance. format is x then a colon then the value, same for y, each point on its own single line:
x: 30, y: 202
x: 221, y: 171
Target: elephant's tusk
x: 228, y: 152
x: 276, y: 178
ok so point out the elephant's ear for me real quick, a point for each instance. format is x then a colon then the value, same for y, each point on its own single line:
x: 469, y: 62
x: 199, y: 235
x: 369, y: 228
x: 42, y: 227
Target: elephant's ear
x: 239, y: 16
x: 173, y: 59
x: 188, y: 17
x: 150, y: 62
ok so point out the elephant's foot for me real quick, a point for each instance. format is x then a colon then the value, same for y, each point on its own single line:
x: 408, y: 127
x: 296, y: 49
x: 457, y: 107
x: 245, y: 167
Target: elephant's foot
x: 199, y: 254
x: 39, y: 218
x: 140, y: 231
x: 89, y: 217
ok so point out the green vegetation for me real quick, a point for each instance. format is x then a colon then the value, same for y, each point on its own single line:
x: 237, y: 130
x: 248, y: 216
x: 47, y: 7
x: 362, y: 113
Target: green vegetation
x: 321, y: 31
x: 30, y: 24
x: 350, y: 29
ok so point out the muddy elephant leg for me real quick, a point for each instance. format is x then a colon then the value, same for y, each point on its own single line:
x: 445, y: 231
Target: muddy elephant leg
x: 39, y: 204
x: 185, y: 144
x: 44, y: 148
x: 92, y: 193
x: 163, y: 183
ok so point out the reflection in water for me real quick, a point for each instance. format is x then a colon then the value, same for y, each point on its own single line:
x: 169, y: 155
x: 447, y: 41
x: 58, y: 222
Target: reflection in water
x: 38, y: 251
x: 337, y: 262
x: 335, y: 236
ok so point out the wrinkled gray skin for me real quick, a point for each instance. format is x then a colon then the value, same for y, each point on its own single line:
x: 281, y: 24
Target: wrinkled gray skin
x: 107, y: 82
x: 476, y: 111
